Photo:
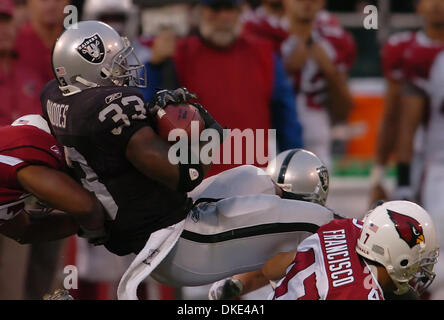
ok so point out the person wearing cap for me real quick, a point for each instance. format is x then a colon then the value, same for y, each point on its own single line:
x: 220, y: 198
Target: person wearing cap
x: 239, y: 77
x: 19, y: 86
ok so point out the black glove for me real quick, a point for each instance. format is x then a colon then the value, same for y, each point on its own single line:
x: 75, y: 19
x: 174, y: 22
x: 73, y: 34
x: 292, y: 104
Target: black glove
x: 209, y: 121
x: 167, y: 97
x: 96, y: 237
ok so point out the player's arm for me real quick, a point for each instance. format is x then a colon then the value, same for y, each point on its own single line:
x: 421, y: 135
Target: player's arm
x: 295, y: 54
x: 61, y: 192
x: 150, y: 154
x: 275, y: 268
x: 54, y: 226
x: 387, y: 137
x: 237, y: 285
x: 340, y: 98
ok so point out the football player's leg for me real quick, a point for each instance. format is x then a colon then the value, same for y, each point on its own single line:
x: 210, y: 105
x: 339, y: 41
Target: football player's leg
x: 434, y: 204
x: 243, y: 180
x: 237, y: 235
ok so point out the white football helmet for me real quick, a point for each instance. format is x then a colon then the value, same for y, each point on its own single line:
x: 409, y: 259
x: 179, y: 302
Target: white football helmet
x: 401, y: 236
x: 34, y: 120
x: 301, y: 172
x: 91, y: 54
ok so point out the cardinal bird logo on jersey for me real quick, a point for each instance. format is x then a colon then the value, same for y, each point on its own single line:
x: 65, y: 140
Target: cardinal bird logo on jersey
x: 92, y: 49
x: 408, y: 228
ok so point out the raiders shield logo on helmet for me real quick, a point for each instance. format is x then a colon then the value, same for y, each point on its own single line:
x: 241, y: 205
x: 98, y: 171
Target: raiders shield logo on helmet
x: 323, y: 176
x: 92, y: 49
x: 408, y: 228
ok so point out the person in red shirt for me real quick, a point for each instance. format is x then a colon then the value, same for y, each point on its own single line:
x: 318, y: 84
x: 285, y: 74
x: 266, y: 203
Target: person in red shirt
x: 19, y: 86
x: 389, y: 254
x: 318, y: 54
x: 238, y: 77
x: 36, y: 38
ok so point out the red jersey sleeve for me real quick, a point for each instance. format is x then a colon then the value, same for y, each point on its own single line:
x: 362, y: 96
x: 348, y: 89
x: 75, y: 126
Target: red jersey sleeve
x: 30, y: 145
x: 344, y: 46
x: 392, y: 55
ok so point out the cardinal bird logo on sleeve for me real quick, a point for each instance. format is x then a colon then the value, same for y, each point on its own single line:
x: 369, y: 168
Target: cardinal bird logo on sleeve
x: 408, y: 228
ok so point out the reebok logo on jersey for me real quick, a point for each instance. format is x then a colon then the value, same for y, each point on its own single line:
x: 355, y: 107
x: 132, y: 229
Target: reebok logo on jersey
x: 92, y: 49
x: 194, y: 174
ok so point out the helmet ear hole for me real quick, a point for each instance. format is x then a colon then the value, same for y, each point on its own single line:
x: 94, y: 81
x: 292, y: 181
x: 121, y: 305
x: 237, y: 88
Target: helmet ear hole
x: 377, y: 204
x: 103, y: 75
x: 404, y: 263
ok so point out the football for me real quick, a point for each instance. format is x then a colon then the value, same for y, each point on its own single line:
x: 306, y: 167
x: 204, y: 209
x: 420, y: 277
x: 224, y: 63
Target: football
x: 178, y: 117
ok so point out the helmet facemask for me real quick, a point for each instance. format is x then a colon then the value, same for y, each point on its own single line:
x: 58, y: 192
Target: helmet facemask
x: 425, y: 275
x: 123, y: 74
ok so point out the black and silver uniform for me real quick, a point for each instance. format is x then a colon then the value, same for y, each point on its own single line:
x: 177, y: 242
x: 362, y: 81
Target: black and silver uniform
x: 95, y: 126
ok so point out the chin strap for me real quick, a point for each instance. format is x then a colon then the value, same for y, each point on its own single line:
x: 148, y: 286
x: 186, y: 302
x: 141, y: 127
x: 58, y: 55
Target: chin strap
x: 86, y: 82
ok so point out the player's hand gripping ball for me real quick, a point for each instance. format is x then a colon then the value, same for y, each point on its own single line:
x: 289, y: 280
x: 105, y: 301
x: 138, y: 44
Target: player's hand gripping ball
x: 184, y: 116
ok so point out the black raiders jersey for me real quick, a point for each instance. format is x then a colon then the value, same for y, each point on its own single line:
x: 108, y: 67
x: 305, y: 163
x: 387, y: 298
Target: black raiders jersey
x: 95, y: 126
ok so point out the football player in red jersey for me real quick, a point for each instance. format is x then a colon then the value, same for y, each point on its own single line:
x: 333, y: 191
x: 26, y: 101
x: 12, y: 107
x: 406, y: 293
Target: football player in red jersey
x: 416, y: 59
x: 31, y: 164
x: 318, y: 56
x: 393, y: 250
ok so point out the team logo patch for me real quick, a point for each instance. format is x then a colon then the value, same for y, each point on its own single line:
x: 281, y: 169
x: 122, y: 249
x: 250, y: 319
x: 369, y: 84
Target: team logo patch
x: 92, y: 49
x: 323, y: 176
x: 408, y: 228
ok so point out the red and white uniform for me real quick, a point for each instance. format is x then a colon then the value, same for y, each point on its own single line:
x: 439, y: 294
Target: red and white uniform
x: 423, y: 68
x: 327, y: 267
x: 311, y: 85
x: 21, y: 146
x: 20, y: 92
x: 393, y: 65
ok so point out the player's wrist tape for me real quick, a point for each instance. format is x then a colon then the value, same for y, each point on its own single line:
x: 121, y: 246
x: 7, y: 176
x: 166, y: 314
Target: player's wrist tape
x: 377, y: 175
x: 403, y: 174
x: 190, y: 176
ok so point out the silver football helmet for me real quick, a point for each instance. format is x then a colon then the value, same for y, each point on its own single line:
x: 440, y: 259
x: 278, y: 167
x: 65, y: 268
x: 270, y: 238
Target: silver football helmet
x: 301, y: 172
x: 91, y: 54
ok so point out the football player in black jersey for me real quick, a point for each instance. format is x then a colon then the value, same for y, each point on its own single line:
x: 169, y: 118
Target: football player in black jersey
x: 109, y: 133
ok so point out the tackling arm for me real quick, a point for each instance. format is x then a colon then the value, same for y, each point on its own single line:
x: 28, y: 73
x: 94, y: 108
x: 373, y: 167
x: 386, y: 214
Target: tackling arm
x: 149, y: 154
x: 24, y: 230
x: 275, y: 268
x: 61, y: 192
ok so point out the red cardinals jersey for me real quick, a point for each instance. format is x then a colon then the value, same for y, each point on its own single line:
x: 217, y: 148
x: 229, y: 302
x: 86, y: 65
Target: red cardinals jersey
x: 419, y: 61
x: 21, y: 146
x: 310, y: 83
x: 327, y: 267
x: 263, y: 24
x: 392, y: 54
